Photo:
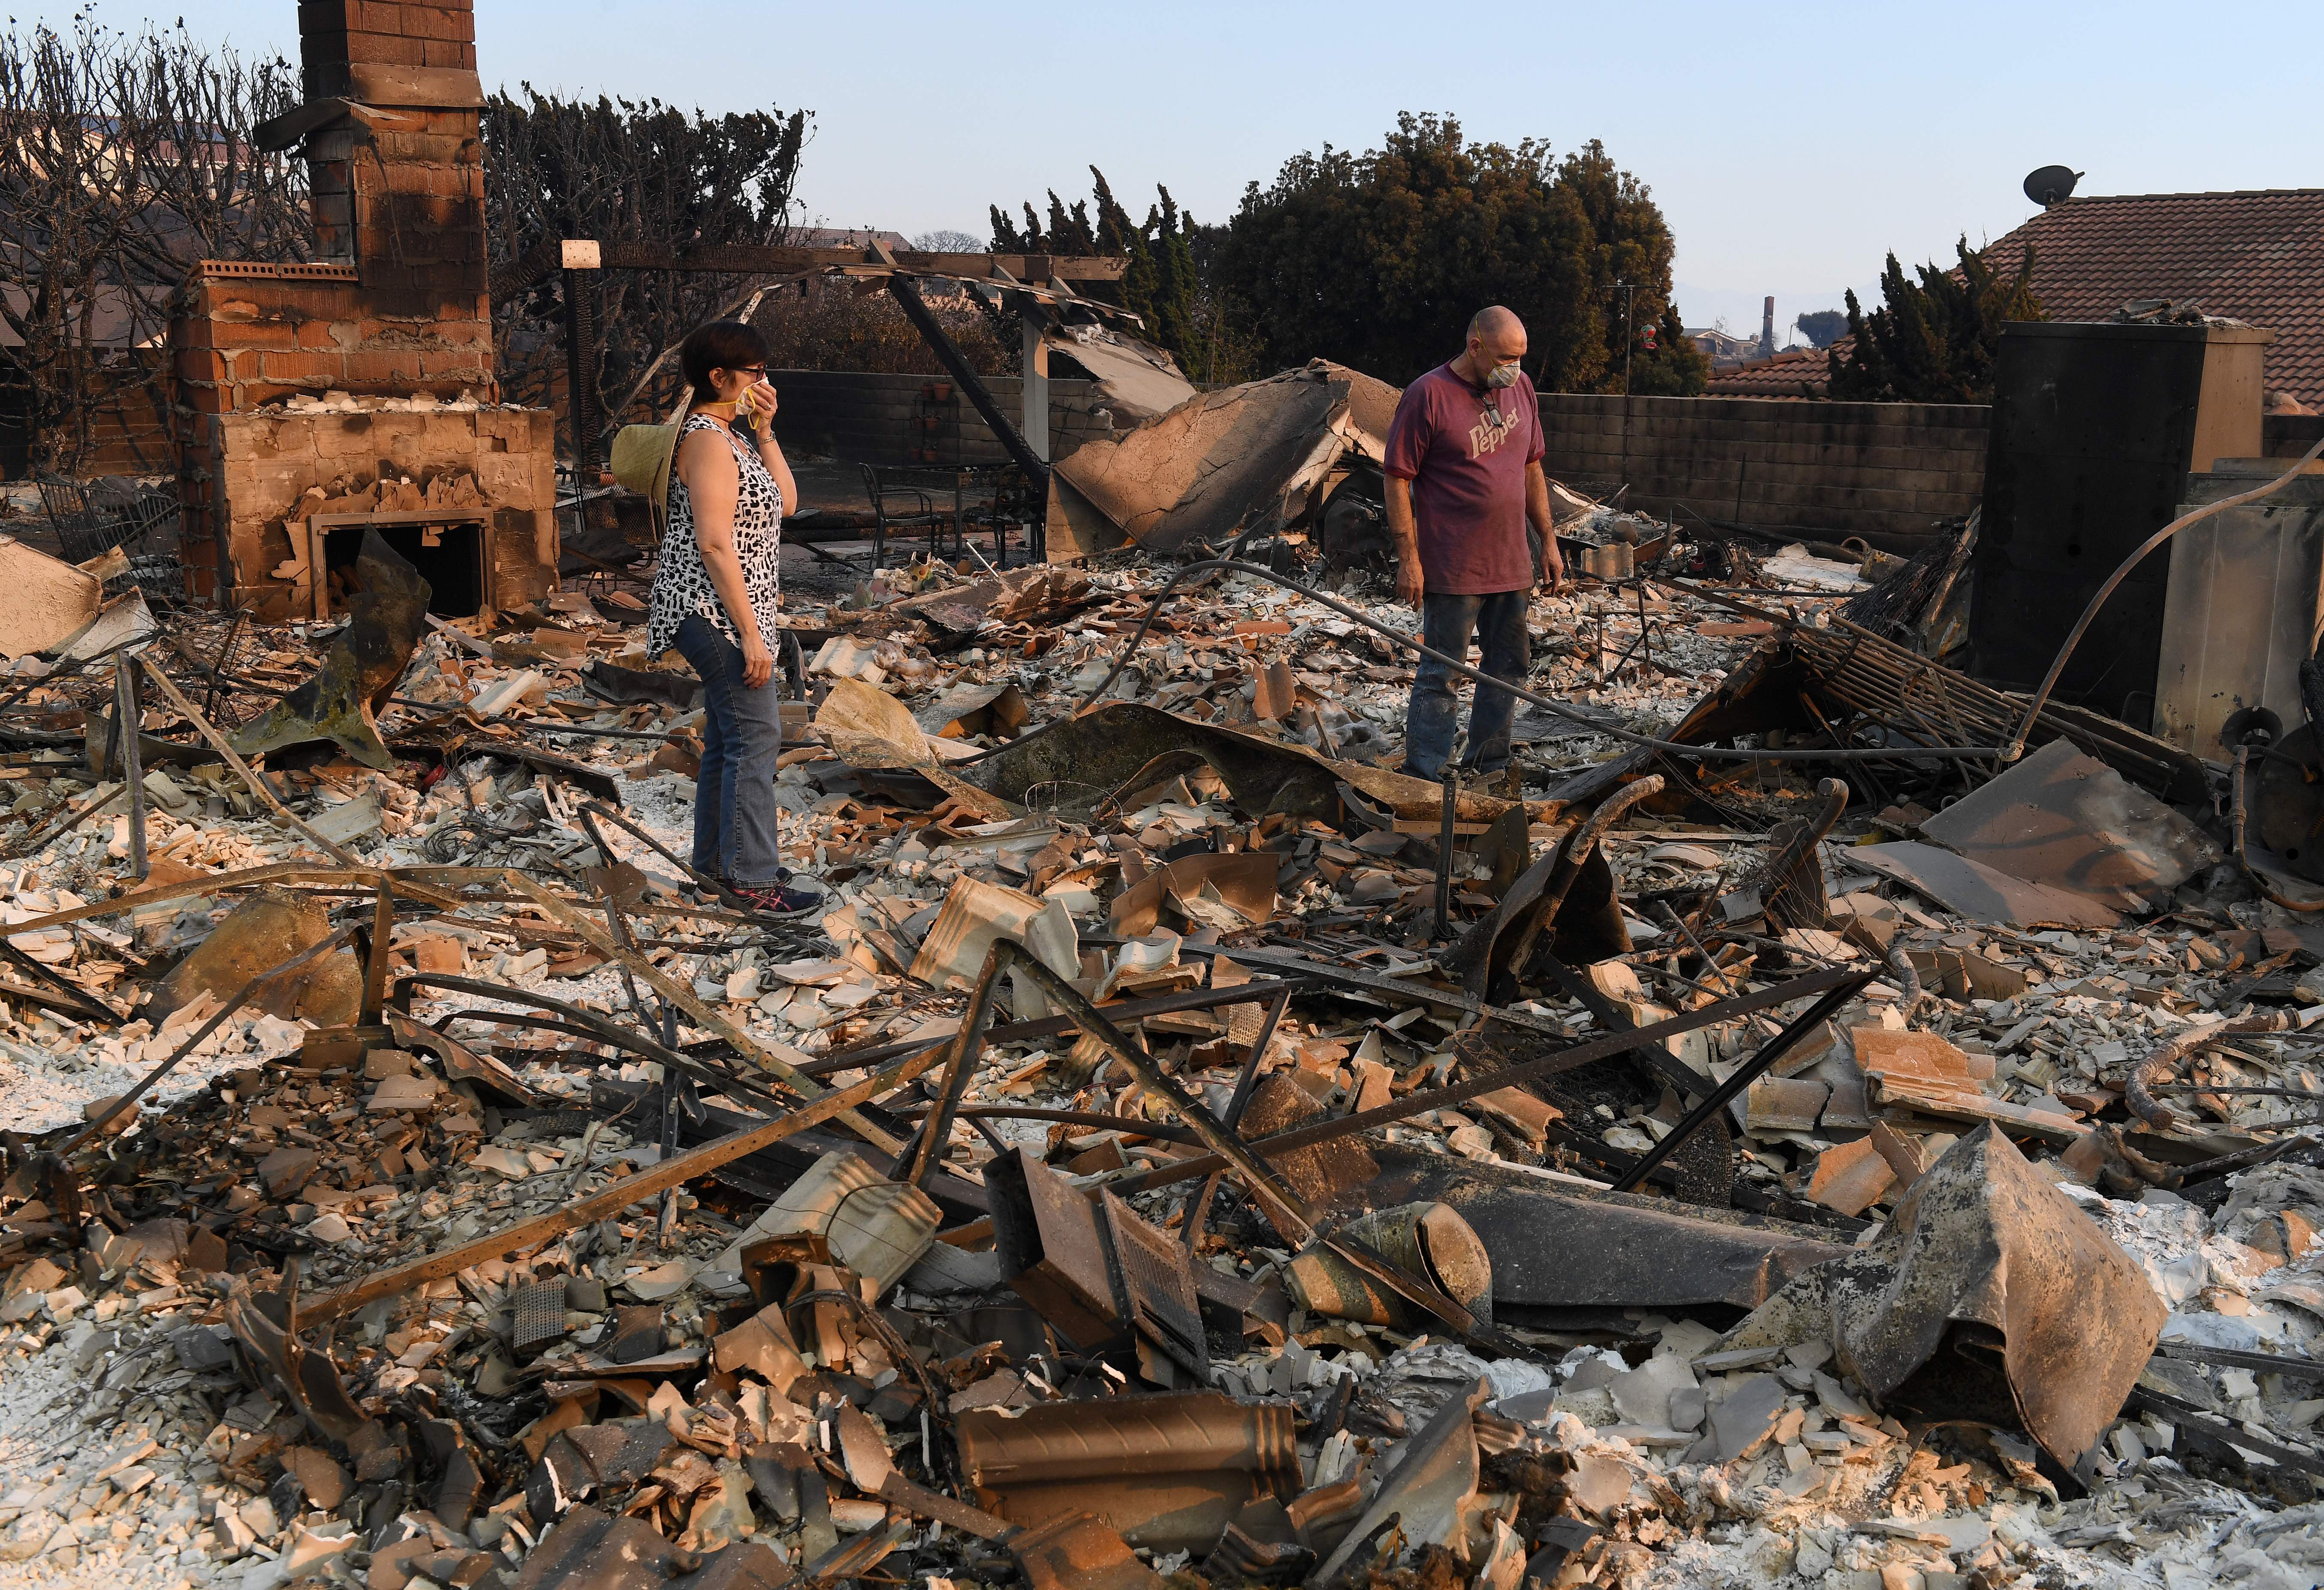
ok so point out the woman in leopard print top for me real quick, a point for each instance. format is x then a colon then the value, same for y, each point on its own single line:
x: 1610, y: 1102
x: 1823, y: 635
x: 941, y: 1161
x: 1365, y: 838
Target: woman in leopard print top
x: 715, y: 598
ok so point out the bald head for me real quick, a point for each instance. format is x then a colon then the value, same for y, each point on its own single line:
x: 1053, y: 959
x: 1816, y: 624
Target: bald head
x: 1494, y: 321
x: 1497, y: 341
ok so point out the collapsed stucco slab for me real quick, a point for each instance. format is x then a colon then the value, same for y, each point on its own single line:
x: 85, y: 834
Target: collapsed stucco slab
x: 42, y: 599
x: 1242, y: 458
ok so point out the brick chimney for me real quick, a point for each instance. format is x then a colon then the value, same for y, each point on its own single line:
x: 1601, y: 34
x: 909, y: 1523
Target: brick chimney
x: 399, y: 182
x: 341, y: 380
x: 1767, y: 328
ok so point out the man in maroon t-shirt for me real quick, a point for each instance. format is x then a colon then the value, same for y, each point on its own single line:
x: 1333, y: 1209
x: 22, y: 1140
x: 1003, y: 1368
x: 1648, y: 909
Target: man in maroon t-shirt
x: 1463, y: 481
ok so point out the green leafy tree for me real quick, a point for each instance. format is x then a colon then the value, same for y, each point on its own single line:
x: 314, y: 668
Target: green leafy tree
x: 1932, y: 341
x: 1823, y: 327
x: 1378, y: 260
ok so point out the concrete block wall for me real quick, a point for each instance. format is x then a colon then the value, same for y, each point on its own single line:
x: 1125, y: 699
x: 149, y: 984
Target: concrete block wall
x: 266, y: 460
x: 862, y: 418
x: 1820, y: 470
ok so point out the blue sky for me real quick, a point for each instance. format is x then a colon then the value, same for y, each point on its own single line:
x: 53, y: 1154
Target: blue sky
x: 1791, y: 145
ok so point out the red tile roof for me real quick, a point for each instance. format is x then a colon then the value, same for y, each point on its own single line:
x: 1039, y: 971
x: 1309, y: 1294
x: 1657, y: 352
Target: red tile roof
x: 2257, y: 257
x: 1796, y: 374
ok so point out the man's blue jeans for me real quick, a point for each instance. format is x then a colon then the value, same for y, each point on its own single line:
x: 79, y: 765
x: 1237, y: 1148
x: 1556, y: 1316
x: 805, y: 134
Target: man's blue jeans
x: 742, y: 735
x: 1446, y: 623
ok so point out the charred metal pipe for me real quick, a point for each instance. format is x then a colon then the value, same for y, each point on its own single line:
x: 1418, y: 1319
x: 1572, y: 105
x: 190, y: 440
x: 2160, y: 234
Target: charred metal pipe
x: 128, y: 719
x: 971, y: 385
x: 1129, y: 1126
x: 590, y: 1023
x: 1908, y: 976
x: 1007, y: 954
x: 598, y: 808
x: 1445, y: 855
x: 1843, y: 982
x: 2016, y: 746
x: 936, y: 1131
x: 375, y: 954
x: 1286, y: 1208
x: 1049, y: 1027
x: 2163, y: 1066
x: 1190, y: 1229
x: 2129, y: 1170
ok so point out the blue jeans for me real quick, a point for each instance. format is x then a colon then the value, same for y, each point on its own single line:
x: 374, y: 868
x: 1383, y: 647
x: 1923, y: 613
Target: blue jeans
x: 742, y: 735
x: 1446, y: 622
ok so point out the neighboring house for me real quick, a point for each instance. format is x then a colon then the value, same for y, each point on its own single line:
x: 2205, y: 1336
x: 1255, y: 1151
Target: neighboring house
x: 1721, y: 347
x: 2256, y: 257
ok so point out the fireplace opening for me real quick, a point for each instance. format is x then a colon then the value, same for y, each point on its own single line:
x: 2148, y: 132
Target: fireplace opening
x: 452, y: 554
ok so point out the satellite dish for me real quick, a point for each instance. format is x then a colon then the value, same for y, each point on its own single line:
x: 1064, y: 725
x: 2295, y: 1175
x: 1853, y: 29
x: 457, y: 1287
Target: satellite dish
x: 2051, y: 185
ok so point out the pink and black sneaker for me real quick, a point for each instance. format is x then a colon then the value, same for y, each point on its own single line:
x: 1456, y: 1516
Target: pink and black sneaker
x: 780, y: 901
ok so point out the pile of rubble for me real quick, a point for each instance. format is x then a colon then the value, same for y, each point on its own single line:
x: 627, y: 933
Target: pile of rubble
x: 1186, y: 1148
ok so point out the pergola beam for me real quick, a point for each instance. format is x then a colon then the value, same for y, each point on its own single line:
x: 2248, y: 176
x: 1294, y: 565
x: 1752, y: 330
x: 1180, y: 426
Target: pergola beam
x: 537, y: 266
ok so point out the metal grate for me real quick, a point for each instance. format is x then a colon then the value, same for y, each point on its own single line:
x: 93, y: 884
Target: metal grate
x: 91, y: 517
x: 1157, y: 1287
x: 540, y: 1315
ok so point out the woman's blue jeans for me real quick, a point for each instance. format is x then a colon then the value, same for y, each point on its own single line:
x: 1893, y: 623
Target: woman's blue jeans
x: 735, y: 808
